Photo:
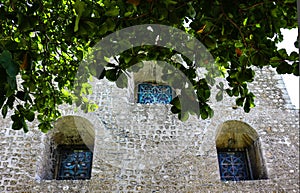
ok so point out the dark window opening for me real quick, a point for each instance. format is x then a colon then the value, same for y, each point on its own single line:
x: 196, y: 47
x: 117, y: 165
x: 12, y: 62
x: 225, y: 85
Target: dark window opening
x: 150, y: 93
x: 73, y: 163
x: 233, y: 165
x: 239, y: 154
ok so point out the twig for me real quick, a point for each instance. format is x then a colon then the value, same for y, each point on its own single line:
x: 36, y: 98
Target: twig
x: 255, y: 5
x: 236, y: 26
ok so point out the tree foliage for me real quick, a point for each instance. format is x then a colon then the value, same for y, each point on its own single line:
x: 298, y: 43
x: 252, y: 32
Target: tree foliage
x: 43, y: 42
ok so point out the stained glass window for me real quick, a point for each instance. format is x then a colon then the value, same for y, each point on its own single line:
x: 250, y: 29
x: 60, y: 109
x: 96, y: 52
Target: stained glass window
x: 149, y: 93
x: 233, y: 165
x: 74, y: 163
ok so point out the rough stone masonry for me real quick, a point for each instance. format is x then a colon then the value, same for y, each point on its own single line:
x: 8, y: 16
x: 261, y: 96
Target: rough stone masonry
x: 145, y: 148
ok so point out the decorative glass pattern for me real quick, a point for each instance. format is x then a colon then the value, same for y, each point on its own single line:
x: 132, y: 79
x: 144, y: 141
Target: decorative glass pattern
x: 233, y: 166
x: 148, y: 93
x: 74, y: 164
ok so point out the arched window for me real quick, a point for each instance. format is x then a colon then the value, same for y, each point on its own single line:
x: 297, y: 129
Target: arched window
x: 68, y: 150
x: 151, y: 93
x: 239, y: 154
x: 74, y: 152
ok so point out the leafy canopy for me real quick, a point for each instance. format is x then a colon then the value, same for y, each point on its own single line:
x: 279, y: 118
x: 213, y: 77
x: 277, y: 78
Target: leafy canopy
x: 44, y: 42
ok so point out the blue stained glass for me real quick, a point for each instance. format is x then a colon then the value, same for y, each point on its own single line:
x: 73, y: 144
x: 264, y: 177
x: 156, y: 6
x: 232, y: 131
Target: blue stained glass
x: 75, y: 164
x: 233, y: 166
x: 148, y: 93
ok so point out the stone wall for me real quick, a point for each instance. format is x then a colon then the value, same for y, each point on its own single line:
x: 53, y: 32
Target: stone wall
x: 144, y: 148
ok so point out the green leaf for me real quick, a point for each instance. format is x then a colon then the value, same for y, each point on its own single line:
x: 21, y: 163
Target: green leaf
x: 111, y: 74
x: 25, y: 22
x: 2, y: 100
x: 79, y: 6
x: 239, y: 44
x: 24, y: 126
x: 4, y: 111
x: 175, y: 110
x: 112, y: 11
x: 111, y: 25
x: 17, y: 121
x: 282, y: 53
x: 10, y: 102
x: 221, y: 85
x: 210, y: 112
x: 243, y: 60
x: 20, y: 109
x: 103, y: 29
x: 176, y: 102
x: 296, y: 68
x: 12, y: 69
x: 229, y: 92
x: 240, y: 101
x: 246, y: 75
x: 44, y: 126
x: 258, y: 59
x: 294, y: 56
x: 29, y: 116
x: 290, y: 1
x: 17, y: 125
x: 12, y: 86
x: 284, y: 68
x: 122, y: 81
x: 127, y: 14
x: 170, y: 2
x: 275, y: 61
x: 235, y: 91
x: 14, y: 117
x: 183, y: 116
x: 209, y: 43
x: 219, y: 95
x: 206, y: 94
x: 21, y: 95
x: 245, y: 21
x: 247, y: 105
x: 204, y: 114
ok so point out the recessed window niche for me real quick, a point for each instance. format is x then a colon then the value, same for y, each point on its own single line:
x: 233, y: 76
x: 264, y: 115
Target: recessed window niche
x: 149, y: 85
x: 68, y: 150
x: 239, y: 153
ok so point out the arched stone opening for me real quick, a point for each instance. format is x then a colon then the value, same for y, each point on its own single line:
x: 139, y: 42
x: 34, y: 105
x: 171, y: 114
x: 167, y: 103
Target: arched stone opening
x: 239, y: 153
x: 68, y: 150
x: 73, y: 130
x: 149, y: 85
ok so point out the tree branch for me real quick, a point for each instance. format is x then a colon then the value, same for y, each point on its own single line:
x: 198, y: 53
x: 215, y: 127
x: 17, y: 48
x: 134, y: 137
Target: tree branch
x: 236, y: 26
x: 255, y: 5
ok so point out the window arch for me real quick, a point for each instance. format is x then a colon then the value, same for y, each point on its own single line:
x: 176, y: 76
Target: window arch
x: 149, y: 85
x: 75, y: 145
x: 239, y: 153
x: 68, y: 150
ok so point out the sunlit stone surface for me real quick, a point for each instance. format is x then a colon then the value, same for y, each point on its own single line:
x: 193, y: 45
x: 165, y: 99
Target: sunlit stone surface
x: 145, y: 148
